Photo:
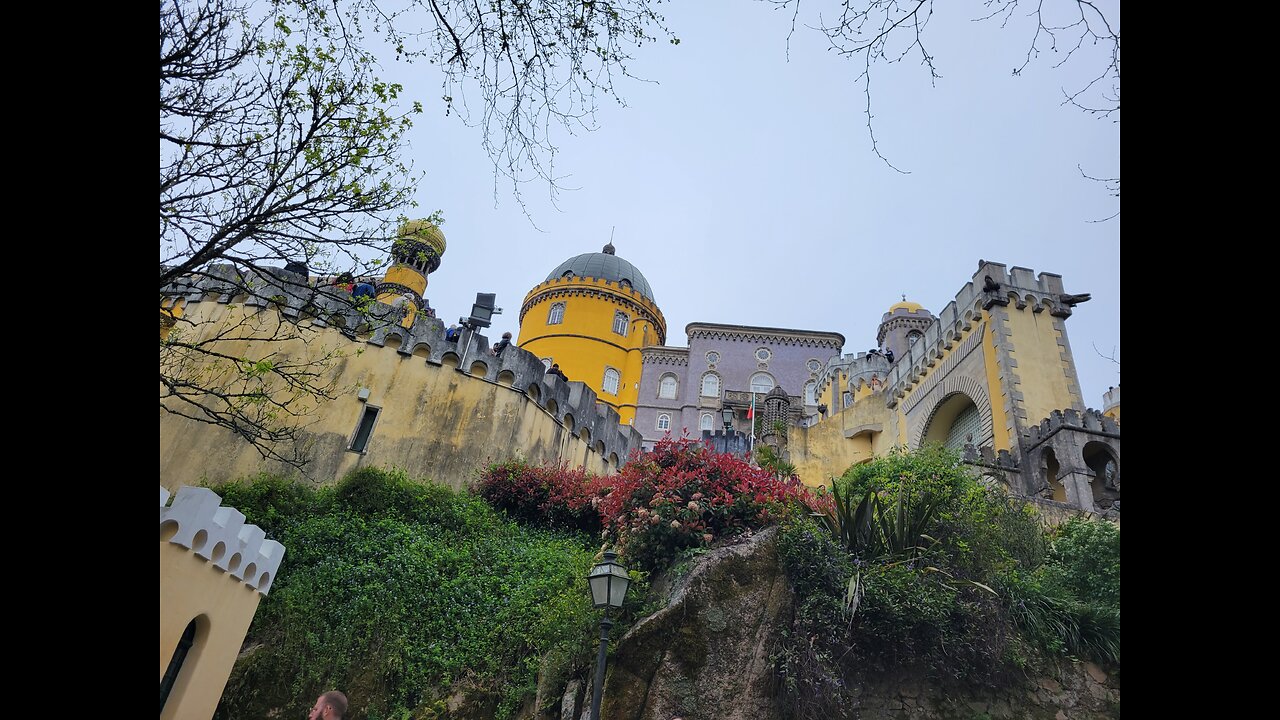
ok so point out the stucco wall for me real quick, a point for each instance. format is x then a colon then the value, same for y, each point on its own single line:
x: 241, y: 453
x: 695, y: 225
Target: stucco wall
x: 858, y: 433
x: 193, y: 589
x: 435, y: 420
x: 1046, y: 376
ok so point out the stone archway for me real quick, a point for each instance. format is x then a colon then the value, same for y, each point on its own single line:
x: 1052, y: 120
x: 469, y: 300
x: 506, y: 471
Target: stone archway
x: 954, y: 395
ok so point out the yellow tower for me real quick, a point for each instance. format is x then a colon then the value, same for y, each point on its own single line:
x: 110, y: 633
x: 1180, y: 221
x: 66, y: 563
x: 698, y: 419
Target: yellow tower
x: 592, y: 316
x: 415, y: 254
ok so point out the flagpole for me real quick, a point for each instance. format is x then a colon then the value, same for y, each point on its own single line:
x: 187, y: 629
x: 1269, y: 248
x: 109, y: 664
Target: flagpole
x: 752, y: 426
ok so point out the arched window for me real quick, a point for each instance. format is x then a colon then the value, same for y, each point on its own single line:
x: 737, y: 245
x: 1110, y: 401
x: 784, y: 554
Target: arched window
x: 556, y: 316
x: 175, y: 663
x: 847, y: 397
x: 704, y: 423
x: 761, y: 383
x: 913, y: 337
x: 621, y: 322
x: 710, y: 385
x: 668, y: 386
x: 546, y: 363
x: 611, y: 378
x: 810, y: 393
x: 664, y: 422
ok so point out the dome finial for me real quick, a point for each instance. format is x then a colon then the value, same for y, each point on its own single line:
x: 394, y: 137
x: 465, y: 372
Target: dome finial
x: 608, y: 248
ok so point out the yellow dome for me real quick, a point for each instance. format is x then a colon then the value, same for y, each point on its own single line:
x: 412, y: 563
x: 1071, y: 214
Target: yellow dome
x: 906, y: 305
x: 424, y: 231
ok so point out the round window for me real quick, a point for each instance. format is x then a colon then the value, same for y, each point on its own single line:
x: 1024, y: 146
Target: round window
x: 763, y: 354
x: 713, y: 357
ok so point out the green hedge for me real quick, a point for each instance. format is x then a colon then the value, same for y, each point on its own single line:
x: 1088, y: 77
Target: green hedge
x: 399, y: 593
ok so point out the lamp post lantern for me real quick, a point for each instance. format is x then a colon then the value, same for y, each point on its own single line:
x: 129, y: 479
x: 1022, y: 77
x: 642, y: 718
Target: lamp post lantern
x: 726, y: 414
x: 608, y: 581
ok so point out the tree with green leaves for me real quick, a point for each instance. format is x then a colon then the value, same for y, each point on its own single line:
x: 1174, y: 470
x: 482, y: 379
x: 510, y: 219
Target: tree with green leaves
x: 280, y: 145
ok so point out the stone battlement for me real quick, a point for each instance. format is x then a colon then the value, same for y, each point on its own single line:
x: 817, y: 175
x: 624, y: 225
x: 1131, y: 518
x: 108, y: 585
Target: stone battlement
x: 1090, y: 421
x: 859, y: 367
x: 573, y: 404
x: 991, y: 285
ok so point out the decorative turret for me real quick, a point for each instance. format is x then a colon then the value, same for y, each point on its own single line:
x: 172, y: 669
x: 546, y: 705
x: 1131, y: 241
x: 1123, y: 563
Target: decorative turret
x: 1111, y: 403
x: 777, y: 412
x: 902, y: 327
x: 593, y: 316
x: 415, y: 254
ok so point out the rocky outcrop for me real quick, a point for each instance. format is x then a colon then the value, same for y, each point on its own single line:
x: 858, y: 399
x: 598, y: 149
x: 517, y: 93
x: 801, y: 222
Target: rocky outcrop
x: 706, y: 654
x: 1075, y: 691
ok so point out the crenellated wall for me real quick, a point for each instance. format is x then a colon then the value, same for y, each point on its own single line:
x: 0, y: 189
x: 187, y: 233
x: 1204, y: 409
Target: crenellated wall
x: 445, y: 408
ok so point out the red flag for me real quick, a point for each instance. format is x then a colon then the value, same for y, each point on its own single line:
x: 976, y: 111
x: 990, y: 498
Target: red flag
x: 751, y: 412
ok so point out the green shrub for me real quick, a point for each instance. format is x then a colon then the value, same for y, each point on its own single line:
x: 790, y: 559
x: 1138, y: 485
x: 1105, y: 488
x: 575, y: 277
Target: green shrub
x: 1087, y: 553
x: 394, y: 591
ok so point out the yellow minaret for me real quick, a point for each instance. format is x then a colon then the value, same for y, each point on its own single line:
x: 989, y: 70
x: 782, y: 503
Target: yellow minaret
x: 415, y: 254
x: 592, y: 316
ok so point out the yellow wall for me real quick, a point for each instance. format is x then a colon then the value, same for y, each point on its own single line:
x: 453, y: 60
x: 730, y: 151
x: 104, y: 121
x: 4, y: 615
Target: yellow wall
x: 191, y: 588
x: 434, y: 421
x: 1113, y: 413
x: 823, y: 451
x: 1044, y: 377
x: 584, y: 345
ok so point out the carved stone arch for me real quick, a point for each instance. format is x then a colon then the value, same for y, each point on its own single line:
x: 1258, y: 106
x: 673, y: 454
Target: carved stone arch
x: 950, y: 386
x: 1046, y: 465
x: 1103, y: 460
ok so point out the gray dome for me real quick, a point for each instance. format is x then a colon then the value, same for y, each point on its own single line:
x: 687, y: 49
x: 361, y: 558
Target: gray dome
x: 605, y: 266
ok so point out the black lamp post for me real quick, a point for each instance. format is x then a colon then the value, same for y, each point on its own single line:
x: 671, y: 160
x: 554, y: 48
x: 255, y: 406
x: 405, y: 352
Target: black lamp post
x: 726, y: 414
x: 608, y: 581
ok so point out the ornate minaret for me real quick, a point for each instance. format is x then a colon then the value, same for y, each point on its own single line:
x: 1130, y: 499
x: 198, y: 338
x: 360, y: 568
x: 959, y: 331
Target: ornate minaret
x: 415, y: 254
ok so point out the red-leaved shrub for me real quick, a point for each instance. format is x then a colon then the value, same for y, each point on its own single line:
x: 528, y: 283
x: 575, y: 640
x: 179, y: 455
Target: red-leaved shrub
x: 550, y: 496
x: 677, y: 496
x: 682, y: 494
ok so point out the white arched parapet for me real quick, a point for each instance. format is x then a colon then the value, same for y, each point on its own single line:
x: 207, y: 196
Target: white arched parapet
x: 197, y: 521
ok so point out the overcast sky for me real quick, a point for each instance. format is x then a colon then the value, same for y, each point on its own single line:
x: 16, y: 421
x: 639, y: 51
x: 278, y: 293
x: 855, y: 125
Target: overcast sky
x: 744, y: 187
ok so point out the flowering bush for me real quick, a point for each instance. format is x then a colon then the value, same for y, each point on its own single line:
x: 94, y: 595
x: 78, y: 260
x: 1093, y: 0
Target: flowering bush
x: 682, y: 495
x: 679, y: 495
x: 551, y: 496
